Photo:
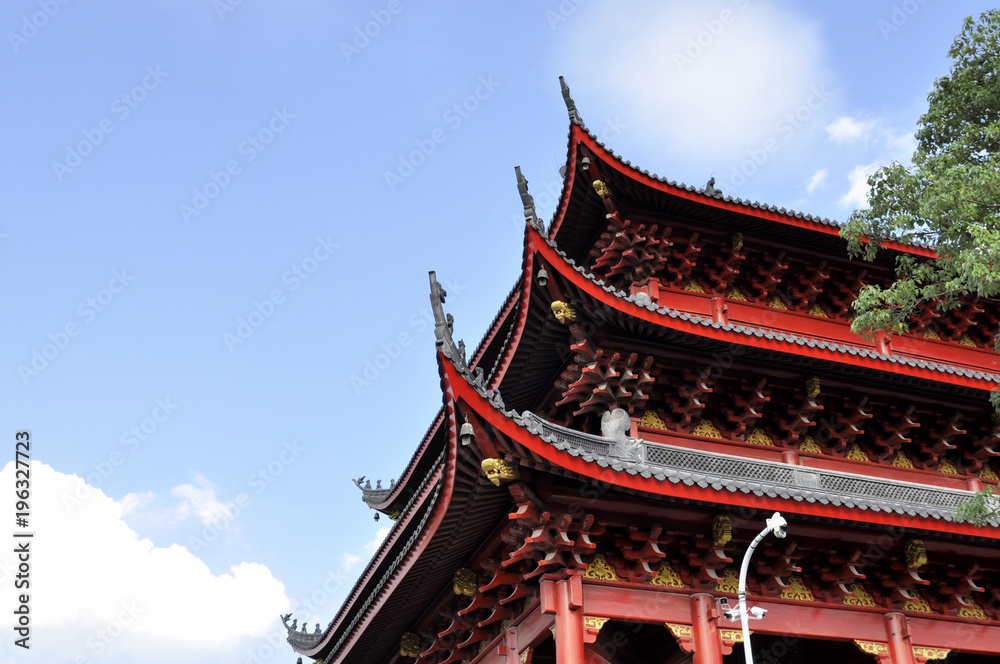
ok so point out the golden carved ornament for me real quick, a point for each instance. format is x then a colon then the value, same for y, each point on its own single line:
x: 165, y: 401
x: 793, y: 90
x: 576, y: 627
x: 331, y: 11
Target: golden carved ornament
x: 928, y: 653
x: 409, y: 645
x: 812, y: 387
x: 526, y: 655
x: 810, y: 445
x: 738, y: 295
x: 817, y: 311
x: 563, y: 312
x: 777, y: 303
x: 600, y: 569
x: 594, y: 622
x: 759, y: 437
x: 651, y: 420
x: 729, y: 583
x: 859, y: 596
x: 667, y: 577
x: 966, y: 340
x: 498, y: 470
x: 855, y: 453
x: 872, y: 647
x: 693, y: 286
x: 930, y: 333
x: 737, y: 242
x: 797, y: 589
x: 916, y: 554
x: 902, y: 461
x: 947, y: 468
x: 603, y: 190
x: 680, y: 631
x: 732, y: 635
x: 987, y: 474
x: 464, y: 582
x: 722, y: 530
x: 971, y: 610
x: 707, y: 429
x: 917, y: 604
x: 395, y: 514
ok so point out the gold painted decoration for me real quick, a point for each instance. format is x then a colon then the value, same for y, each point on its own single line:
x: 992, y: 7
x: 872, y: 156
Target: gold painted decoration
x: 966, y: 340
x: 759, y: 437
x: 600, y: 569
x: 777, y: 303
x: 602, y: 189
x: 498, y: 470
x: 859, y: 597
x: 810, y: 445
x: 947, y: 468
x: 563, y: 312
x: 722, y: 530
x: 917, y: 604
x: 464, y: 582
x: 929, y: 333
x: 731, y: 635
x: 526, y: 654
x: 409, y: 645
x: 693, y: 286
x: 729, y: 583
x: 667, y: 577
x: 395, y: 514
x: 987, y: 474
x: 872, y: 647
x: 928, y: 653
x: 817, y: 311
x: 902, y: 461
x: 738, y: 295
x: 737, y: 242
x: 855, y: 453
x: 797, y: 589
x: 916, y: 554
x: 594, y: 623
x: 651, y: 420
x: 680, y: 631
x: 971, y: 610
x: 812, y: 387
x: 707, y: 429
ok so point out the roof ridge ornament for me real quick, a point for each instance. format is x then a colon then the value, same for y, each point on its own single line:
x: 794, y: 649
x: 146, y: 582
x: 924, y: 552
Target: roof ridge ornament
x: 574, y: 115
x: 528, y: 202
x: 443, y: 327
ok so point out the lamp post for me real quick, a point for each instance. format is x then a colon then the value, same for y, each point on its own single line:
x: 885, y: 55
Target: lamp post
x: 777, y: 525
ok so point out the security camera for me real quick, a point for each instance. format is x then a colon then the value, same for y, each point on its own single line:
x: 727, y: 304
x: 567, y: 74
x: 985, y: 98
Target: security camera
x: 777, y: 525
x: 758, y: 612
x: 732, y: 614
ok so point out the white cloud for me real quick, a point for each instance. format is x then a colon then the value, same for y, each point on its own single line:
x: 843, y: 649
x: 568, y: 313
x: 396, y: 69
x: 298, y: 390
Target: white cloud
x: 857, y: 195
x: 132, y: 502
x: 818, y: 178
x: 706, y: 79
x: 848, y: 129
x: 372, y: 546
x: 100, y: 593
x: 200, y: 500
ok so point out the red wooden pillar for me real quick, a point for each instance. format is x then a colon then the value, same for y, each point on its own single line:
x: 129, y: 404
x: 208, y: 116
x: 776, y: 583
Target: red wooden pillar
x: 569, y: 621
x: 900, y: 646
x: 704, y: 633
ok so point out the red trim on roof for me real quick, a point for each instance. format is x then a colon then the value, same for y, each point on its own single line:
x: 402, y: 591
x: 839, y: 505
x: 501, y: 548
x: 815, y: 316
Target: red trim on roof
x: 464, y: 391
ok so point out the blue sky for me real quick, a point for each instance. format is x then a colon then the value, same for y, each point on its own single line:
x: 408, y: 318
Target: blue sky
x: 218, y: 215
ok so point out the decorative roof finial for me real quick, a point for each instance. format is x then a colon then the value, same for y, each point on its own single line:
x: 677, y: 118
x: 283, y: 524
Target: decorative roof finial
x: 574, y: 117
x: 710, y: 189
x: 528, y: 202
x: 443, y: 325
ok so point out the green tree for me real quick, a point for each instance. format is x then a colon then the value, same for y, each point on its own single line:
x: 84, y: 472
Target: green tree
x: 948, y: 200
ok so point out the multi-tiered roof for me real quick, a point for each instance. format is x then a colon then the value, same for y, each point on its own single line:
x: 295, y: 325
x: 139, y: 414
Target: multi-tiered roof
x: 672, y: 365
